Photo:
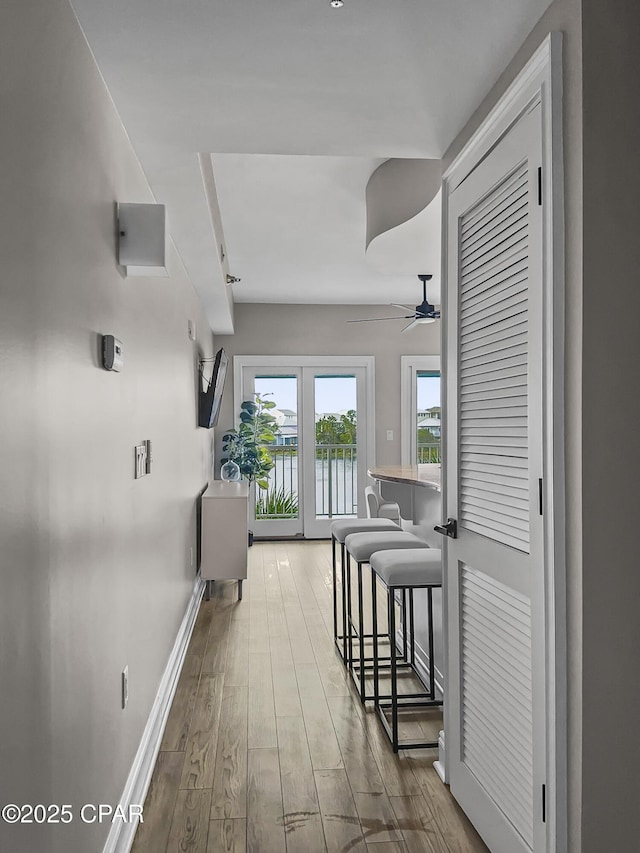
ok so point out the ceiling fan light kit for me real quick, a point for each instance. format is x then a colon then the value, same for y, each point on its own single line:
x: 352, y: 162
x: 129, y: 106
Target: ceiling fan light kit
x: 423, y: 313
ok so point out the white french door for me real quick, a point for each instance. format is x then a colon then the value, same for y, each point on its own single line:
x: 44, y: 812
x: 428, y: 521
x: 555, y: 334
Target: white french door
x: 324, y: 407
x: 496, y: 733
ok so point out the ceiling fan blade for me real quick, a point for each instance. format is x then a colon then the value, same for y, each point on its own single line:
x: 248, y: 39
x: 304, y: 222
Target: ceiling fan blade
x: 411, y: 325
x: 397, y: 305
x: 377, y: 319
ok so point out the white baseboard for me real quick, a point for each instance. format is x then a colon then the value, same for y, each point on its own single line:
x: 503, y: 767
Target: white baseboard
x: 122, y: 834
x: 440, y: 766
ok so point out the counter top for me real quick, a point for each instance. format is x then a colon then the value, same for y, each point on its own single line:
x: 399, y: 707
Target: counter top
x: 428, y: 475
x: 227, y: 489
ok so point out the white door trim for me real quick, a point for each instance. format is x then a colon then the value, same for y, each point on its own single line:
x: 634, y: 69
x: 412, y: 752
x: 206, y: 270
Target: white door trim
x: 540, y: 81
x: 409, y: 366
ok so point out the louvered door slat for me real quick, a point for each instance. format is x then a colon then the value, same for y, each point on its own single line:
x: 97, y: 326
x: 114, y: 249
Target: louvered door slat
x: 495, y: 297
x: 509, y: 189
x: 492, y: 324
x: 497, y: 271
x: 486, y: 250
x: 512, y: 213
x: 492, y: 316
x: 509, y: 270
x: 489, y: 749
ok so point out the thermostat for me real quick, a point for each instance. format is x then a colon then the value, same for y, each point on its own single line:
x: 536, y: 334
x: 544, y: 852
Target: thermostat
x: 112, y: 353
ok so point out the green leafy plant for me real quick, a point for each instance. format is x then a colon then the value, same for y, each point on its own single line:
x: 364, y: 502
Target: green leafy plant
x: 277, y: 503
x: 246, y: 446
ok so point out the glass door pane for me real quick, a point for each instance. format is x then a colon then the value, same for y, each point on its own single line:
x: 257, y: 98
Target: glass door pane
x: 428, y: 416
x: 336, y: 457
x: 278, y: 508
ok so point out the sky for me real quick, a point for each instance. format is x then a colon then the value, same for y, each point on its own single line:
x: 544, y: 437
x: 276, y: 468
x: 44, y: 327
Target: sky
x: 337, y: 394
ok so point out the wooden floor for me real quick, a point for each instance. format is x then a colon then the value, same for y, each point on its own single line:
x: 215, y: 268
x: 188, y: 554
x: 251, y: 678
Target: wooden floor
x: 267, y: 748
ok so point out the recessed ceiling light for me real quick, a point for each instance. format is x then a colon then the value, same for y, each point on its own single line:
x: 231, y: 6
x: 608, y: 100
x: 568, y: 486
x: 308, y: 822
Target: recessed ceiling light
x: 337, y: 3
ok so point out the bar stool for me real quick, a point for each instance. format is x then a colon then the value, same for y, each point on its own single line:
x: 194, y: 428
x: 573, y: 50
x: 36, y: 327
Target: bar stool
x: 377, y: 508
x: 404, y: 571
x: 361, y: 546
x: 339, y: 531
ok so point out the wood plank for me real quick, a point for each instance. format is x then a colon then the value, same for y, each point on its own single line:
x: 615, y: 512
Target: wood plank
x: 377, y: 818
x: 387, y: 847
x: 190, y: 824
x: 177, y: 729
x: 285, y: 684
x: 200, y: 633
x: 236, y: 672
x: 159, y: 804
x: 229, y: 797
x: 456, y: 829
x: 262, y: 717
x: 200, y: 752
x: 302, y: 822
x: 216, y: 653
x: 296, y: 626
x: 227, y: 836
x: 339, y: 815
x: 418, y: 827
x: 323, y: 744
x: 394, y: 769
x: 362, y: 768
x: 265, y: 830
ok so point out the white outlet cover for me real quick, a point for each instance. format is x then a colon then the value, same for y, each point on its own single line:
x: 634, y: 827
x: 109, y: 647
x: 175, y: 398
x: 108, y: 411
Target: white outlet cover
x: 125, y: 687
x: 191, y: 327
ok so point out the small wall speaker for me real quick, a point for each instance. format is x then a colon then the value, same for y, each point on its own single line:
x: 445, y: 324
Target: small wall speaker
x: 142, y: 247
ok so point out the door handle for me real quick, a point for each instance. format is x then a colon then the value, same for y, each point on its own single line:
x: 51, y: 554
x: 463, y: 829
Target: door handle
x: 450, y: 528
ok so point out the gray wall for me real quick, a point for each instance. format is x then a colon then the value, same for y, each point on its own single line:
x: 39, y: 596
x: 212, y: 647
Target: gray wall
x: 95, y: 566
x: 611, y: 468
x: 322, y: 330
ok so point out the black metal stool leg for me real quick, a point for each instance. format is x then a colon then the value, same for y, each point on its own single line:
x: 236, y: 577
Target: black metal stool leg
x: 344, y: 602
x: 348, y: 628
x: 374, y: 616
x: 391, y: 599
x: 412, y: 659
x: 335, y: 589
x: 432, y: 663
x: 361, y: 633
x: 405, y: 626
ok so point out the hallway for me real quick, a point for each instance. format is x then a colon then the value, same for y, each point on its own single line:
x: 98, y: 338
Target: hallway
x: 267, y: 748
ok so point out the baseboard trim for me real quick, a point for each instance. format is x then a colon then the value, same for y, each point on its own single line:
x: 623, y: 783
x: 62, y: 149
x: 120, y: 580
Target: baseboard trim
x: 121, y: 836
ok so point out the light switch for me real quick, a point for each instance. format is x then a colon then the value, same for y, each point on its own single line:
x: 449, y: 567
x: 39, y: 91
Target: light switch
x: 389, y: 435
x: 141, y: 460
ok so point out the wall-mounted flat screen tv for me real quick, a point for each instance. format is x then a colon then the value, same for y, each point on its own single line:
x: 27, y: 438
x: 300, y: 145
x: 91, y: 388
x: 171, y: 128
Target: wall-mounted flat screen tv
x: 211, y: 396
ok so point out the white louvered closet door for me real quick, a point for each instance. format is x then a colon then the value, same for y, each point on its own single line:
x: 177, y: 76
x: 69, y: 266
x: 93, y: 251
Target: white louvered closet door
x: 496, y: 703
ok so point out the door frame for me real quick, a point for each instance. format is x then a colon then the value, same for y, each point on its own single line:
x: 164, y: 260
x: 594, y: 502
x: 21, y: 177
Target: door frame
x: 540, y: 81
x: 410, y: 366
x: 322, y: 362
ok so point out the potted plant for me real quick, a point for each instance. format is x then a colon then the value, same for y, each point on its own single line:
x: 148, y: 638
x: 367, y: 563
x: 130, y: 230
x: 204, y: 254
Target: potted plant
x: 247, y: 445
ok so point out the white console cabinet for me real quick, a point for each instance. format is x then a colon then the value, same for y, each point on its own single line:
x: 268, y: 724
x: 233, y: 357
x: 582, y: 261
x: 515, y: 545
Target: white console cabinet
x: 223, y: 533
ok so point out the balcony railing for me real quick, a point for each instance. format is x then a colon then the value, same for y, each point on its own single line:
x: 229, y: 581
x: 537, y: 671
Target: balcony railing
x: 429, y: 452
x: 336, y: 482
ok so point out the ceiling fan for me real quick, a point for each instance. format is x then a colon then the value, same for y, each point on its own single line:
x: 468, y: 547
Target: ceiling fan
x: 423, y: 313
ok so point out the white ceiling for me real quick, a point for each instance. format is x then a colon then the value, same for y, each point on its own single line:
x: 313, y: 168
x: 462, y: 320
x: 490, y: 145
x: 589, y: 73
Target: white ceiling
x: 372, y: 80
